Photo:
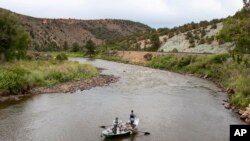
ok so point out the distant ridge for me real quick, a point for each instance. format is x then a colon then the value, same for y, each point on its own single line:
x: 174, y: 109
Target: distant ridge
x: 55, y: 32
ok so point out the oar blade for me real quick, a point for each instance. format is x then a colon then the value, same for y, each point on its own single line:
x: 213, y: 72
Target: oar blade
x: 146, y: 133
x: 102, y: 126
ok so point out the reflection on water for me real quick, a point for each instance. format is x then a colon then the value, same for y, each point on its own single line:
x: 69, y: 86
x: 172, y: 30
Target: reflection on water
x: 170, y: 106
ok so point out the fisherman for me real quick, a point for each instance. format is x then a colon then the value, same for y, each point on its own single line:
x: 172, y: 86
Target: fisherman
x: 116, y: 123
x: 132, y: 118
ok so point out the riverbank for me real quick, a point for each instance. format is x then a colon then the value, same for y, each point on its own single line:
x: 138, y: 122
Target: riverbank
x: 22, y: 78
x: 67, y: 87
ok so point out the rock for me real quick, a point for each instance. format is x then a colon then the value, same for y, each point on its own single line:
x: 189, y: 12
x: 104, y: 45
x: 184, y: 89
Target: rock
x: 227, y: 105
x: 241, y: 112
x: 244, y: 115
x: 230, y: 91
x: 236, y: 111
x: 247, y: 121
x: 205, y: 76
x: 225, y: 100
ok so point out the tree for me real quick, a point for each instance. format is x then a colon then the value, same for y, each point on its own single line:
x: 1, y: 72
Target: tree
x: 246, y: 4
x: 155, y: 41
x: 65, y: 45
x: 14, y: 40
x: 237, y: 30
x: 75, y: 47
x: 91, y: 47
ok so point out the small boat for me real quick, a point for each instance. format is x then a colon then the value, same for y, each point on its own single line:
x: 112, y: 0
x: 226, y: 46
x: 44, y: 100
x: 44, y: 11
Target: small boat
x: 122, y: 130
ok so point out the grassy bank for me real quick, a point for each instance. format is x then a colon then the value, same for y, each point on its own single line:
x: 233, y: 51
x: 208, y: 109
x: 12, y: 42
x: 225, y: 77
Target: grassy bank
x: 232, y: 74
x: 67, y: 53
x: 20, y: 76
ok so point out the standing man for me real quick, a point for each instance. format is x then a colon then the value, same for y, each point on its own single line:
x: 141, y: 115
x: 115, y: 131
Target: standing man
x: 132, y: 118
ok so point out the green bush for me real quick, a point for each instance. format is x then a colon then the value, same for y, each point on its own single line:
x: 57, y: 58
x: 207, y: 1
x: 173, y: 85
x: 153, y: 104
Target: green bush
x: 61, y: 57
x: 175, y: 50
x: 13, y: 80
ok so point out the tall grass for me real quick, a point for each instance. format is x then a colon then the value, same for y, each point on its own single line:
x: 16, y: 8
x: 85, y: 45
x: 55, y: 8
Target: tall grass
x: 69, y: 54
x: 220, y: 67
x: 19, y: 76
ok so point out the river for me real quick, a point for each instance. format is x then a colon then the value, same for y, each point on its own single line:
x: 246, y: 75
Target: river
x: 172, y: 107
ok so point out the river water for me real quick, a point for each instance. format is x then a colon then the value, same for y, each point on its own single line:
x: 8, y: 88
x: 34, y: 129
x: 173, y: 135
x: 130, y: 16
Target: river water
x: 172, y: 107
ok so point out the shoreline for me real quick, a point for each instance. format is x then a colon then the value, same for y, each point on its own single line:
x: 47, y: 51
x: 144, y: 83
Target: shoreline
x: 67, y: 87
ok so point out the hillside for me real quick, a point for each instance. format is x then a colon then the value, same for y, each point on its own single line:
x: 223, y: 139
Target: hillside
x: 54, y: 33
x: 197, y: 42
x: 191, y: 37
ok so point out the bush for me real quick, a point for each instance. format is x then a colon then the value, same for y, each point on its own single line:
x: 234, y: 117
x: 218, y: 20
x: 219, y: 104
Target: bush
x: 202, y: 41
x: 188, y: 35
x: 214, y: 26
x: 191, y: 40
x: 61, y: 57
x: 13, y: 80
x: 155, y: 41
x: 192, y: 45
x: 75, y: 47
x: 175, y: 50
x: 148, y: 56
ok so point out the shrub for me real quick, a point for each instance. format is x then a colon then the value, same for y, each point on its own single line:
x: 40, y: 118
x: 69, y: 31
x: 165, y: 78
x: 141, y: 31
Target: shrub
x: 214, y: 26
x: 155, y: 41
x: 13, y: 80
x: 148, y: 56
x: 192, y: 45
x: 189, y: 35
x: 184, y: 61
x: 61, y: 57
x: 203, y: 32
x: 202, y: 41
x: 175, y: 50
x: 170, y: 35
x: 75, y: 47
x: 191, y: 40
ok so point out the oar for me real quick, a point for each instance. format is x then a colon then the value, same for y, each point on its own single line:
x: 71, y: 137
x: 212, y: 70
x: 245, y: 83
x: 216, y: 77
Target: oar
x: 104, y: 126
x: 145, y: 133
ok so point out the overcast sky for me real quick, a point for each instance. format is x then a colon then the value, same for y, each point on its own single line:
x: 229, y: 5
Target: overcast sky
x: 155, y: 13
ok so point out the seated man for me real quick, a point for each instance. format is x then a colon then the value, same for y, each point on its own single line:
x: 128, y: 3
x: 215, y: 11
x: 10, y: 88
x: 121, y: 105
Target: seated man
x: 116, y: 124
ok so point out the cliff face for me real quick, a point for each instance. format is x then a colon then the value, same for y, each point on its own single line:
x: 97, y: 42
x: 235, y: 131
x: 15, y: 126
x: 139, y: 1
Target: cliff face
x: 55, y: 32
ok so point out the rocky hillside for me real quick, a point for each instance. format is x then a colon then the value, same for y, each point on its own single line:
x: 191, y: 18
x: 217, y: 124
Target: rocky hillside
x: 200, y: 40
x: 54, y: 33
x: 191, y: 37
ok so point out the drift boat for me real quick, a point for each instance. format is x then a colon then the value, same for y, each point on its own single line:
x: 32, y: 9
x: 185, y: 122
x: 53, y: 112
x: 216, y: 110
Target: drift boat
x: 122, y: 130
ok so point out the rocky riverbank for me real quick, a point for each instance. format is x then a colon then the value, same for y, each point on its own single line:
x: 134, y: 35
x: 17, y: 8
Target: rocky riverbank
x: 68, y: 87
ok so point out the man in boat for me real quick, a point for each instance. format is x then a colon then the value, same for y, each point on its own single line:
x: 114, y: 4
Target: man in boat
x: 116, y: 123
x: 132, y: 118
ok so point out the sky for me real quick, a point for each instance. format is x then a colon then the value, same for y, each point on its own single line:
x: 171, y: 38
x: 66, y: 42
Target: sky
x: 155, y: 13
